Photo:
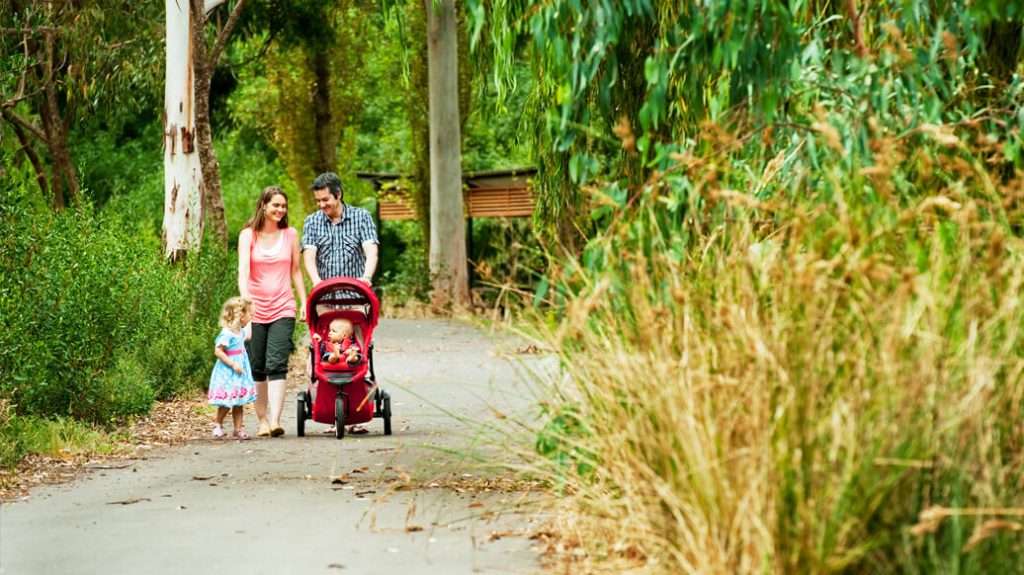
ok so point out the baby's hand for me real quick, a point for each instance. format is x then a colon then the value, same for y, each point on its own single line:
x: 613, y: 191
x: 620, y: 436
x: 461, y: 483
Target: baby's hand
x: 317, y: 338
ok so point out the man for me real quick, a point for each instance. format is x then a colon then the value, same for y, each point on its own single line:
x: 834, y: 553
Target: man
x: 338, y: 240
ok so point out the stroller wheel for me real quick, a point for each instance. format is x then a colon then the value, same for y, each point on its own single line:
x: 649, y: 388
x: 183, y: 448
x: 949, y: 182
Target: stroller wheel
x: 300, y: 414
x: 339, y: 417
x: 387, y: 415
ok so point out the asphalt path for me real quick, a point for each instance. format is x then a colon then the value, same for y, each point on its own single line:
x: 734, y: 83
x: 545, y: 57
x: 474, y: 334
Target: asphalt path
x: 424, y: 500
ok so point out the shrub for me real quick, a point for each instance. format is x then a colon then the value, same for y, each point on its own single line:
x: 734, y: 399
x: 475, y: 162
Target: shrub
x: 94, y: 323
x: 403, y: 274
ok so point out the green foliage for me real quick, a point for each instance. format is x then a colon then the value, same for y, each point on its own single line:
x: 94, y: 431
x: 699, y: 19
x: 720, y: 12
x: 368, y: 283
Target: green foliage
x: 560, y: 440
x: 506, y: 261
x: 615, y: 82
x: 108, y: 55
x: 24, y: 435
x: 304, y: 97
x: 95, y: 324
x: 248, y: 166
x: 403, y: 273
x: 109, y: 167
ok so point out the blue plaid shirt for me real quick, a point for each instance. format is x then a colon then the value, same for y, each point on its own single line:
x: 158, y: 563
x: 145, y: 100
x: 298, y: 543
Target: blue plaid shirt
x: 339, y: 246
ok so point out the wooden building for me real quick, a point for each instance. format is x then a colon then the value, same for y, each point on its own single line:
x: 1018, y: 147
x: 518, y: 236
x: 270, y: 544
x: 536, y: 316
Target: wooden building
x: 488, y: 194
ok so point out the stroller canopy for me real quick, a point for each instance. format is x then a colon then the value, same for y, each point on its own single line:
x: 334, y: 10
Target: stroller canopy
x: 343, y: 293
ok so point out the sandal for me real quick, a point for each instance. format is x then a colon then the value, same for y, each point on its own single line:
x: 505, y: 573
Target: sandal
x: 264, y: 430
x: 358, y: 430
x: 218, y: 432
x: 241, y: 435
x: 277, y: 432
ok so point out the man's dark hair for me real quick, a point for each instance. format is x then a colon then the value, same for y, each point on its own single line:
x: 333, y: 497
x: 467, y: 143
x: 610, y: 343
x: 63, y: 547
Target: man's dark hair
x: 328, y: 180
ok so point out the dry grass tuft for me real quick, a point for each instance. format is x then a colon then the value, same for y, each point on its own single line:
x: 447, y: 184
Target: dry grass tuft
x: 739, y: 396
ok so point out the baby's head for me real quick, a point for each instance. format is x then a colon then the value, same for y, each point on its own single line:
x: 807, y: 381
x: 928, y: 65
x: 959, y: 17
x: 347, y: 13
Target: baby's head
x: 235, y: 313
x: 339, y: 329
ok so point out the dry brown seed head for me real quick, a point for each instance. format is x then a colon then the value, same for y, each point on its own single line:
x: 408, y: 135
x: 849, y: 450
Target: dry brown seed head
x: 952, y: 50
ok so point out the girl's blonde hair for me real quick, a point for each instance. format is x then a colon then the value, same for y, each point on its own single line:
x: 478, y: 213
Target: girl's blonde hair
x: 231, y: 313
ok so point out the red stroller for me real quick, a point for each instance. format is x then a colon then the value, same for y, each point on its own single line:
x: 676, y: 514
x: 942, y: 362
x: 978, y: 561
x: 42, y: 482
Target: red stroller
x: 344, y: 394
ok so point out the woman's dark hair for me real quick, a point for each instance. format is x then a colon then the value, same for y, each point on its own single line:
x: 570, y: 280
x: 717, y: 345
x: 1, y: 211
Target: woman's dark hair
x: 330, y: 181
x: 256, y: 221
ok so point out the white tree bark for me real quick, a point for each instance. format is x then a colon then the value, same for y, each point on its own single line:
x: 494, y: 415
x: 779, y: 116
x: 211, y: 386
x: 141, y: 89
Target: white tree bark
x: 447, y: 220
x: 183, y: 202
x: 209, y: 5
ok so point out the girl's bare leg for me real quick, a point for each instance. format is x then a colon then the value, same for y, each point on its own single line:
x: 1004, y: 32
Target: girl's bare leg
x: 236, y: 418
x: 218, y: 429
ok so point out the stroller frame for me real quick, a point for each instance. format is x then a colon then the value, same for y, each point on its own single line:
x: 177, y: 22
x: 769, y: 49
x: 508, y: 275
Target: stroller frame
x: 343, y: 392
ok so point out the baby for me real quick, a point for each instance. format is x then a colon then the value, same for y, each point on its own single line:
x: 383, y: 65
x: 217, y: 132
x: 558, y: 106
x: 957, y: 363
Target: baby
x: 341, y: 342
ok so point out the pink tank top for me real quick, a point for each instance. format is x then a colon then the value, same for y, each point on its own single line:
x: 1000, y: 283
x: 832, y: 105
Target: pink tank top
x: 270, y: 279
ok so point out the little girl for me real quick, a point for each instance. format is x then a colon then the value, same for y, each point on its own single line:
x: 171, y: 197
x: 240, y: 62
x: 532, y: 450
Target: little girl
x: 231, y: 384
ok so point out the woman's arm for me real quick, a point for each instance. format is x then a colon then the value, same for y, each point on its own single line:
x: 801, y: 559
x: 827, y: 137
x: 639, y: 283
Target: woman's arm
x: 244, y: 242
x: 300, y: 286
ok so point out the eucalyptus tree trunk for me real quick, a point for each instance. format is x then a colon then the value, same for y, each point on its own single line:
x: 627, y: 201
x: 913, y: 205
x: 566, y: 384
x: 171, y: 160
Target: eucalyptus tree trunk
x: 447, y: 222
x: 183, y: 176
x: 205, y: 62
x: 64, y: 176
x: 323, y: 126
x: 211, y: 190
x: 417, y: 101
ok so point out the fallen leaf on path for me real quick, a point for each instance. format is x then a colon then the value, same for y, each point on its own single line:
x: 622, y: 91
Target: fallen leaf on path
x: 475, y: 504
x: 339, y: 480
x: 413, y: 528
x: 365, y: 493
x: 99, y: 466
x: 202, y: 477
x: 128, y: 501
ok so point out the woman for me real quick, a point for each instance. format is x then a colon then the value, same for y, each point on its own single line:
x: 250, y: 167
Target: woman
x: 268, y: 267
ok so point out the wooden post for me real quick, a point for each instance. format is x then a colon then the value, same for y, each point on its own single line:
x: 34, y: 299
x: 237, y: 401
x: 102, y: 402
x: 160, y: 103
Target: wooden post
x: 469, y: 252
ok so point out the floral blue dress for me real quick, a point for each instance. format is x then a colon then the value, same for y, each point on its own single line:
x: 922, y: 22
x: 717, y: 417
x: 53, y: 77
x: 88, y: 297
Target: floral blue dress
x: 227, y: 388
